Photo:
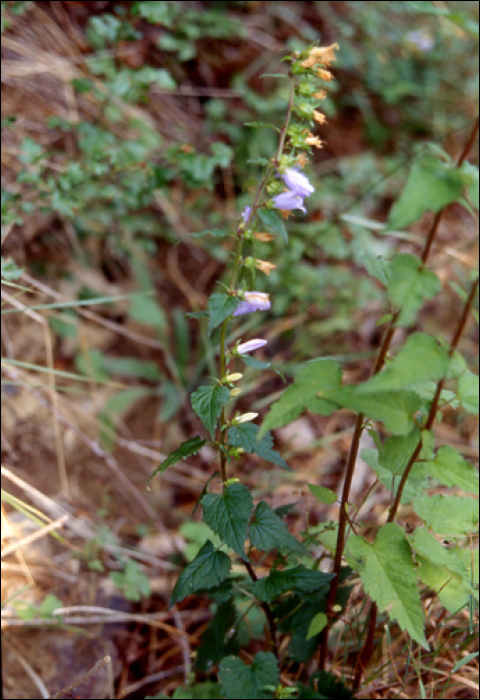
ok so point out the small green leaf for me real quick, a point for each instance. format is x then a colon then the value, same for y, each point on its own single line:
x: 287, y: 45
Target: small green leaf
x: 451, y: 469
x: 388, y: 574
x: 447, y: 515
x: 207, y: 402
x: 268, y: 531
x: 245, y: 435
x: 313, y: 378
x: 298, y: 579
x: 431, y: 185
x: 318, y: 623
x: 468, y: 392
x: 240, y: 681
x: 410, y: 286
x: 455, y: 590
x: 208, y: 569
x: 228, y: 515
x: 323, y: 494
x: 273, y: 223
x: 254, y: 363
x: 220, y: 307
x: 186, y: 449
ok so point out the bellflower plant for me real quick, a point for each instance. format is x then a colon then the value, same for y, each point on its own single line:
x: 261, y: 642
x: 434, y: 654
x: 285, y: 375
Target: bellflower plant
x: 228, y: 509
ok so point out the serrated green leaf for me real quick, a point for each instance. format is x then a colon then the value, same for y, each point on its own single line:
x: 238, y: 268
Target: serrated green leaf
x: 207, y: 402
x: 451, y: 469
x: 323, y: 494
x: 273, y: 223
x: 454, y: 590
x: 396, y: 409
x: 468, y: 392
x: 186, y: 449
x: 220, y: 307
x: 431, y: 185
x: 447, y: 515
x: 313, y: 378
x: 245, y: 435
x: 298, y: 579
x: 240, y: 681
x: 228, y: 515
x: 410, y: 286
x: 388, y: 575
x: 318, y: 623
x: 427, y: 546
x: 421, y: 359
x: 268, y: 531
x: 208, y: 569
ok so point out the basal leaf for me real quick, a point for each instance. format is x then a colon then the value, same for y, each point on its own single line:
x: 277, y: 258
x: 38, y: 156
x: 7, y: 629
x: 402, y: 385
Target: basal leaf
x: 313, y: 378
x: 240, y: 681
x: 207, y: 402
x: 186, y: 449
x: 268, y: 532
x: 468, y: 392
x: 208, y: 569
x: 245, y: 435
x: 273, y: 223
x: 431, y: 185
x: 220, y: 307
x: 388, y: 575
x: 451, y: 469
x: 447, y: 515
x: 410, y: 286
x: 228, y: 514
x: 298, y: 579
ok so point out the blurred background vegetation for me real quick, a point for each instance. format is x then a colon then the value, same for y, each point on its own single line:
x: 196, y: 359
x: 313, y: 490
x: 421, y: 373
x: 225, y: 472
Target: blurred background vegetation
x: 124, y: 136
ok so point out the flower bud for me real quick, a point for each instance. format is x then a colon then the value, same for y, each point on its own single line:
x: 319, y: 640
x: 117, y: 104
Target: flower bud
x: 235, y: 392
x: 245, y: 418
x: 250, y: 346
x: 233, y: 377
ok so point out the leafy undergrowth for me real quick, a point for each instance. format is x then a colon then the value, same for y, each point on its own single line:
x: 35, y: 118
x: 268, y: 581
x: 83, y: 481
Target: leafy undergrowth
x: 126, y: 160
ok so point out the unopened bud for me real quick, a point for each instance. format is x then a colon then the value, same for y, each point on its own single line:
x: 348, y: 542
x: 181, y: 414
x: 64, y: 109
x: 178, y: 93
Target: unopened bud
x: 234, y: 377
x: 246, y: 418
x: 235, y: 392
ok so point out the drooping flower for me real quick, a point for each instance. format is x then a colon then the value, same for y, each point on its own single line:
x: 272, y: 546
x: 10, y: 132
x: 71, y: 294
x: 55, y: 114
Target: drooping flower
x: 287, y: 201
x: 297, y: 182
x: 324, y: 54
x: 324, y: 75
x: 320, y: 95
x: 250, y: 346
x: 253, y: 301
